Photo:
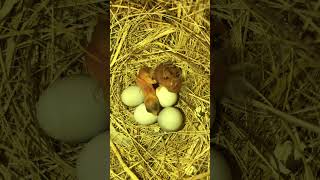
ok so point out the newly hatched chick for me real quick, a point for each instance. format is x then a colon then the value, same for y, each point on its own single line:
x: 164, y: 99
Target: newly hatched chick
x: 145, y: 82
x: 145, y: 73
x: 169, y: 76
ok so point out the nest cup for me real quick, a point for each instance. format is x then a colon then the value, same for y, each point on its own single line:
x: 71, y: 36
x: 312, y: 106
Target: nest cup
x: 146, y: 35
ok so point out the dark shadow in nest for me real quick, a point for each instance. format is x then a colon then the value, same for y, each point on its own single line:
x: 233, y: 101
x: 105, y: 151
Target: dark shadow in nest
x: 218, y: 55
x: 227, y: 77
x: 184, y: 119
x: 236, y: 172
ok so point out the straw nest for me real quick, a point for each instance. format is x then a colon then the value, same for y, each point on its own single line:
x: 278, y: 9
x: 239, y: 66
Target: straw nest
x: 39, y: 43
x: 149, y: 33
x: 273, y: 130
x: 42, y: 42
x: 273, y: 136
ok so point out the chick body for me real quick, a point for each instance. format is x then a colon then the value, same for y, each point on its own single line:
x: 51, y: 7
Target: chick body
x: 145, y: 82
x: 169, y: 76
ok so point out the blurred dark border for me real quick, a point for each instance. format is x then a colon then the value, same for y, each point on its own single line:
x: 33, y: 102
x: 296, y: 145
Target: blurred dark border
x: 108, y: 88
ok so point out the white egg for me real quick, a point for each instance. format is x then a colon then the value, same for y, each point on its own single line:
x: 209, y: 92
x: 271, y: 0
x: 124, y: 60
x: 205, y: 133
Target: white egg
x: 72, y: 109
x: 132, y: 96
x: 170, y: 119
x: 142, y: 116
x: 166, y: 98
x: 93, y: 160
x: 219, y: 166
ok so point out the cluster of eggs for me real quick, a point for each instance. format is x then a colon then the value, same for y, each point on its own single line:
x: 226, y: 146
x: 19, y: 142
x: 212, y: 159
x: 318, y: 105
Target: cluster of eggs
x: 169, y: 119
x: 73, y: 110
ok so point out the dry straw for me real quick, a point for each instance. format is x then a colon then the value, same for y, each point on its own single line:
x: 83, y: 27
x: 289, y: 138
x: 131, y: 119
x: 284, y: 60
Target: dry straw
x: 275, y: 134
x: 149, y: 33
x: 39, y: 43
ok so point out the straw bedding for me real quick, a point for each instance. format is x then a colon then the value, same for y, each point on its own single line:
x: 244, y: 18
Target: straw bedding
x: 149, y: 33
x: 272, y: 126
x: 44, y: 41
x: 39, y: 43
x: 277, y: 41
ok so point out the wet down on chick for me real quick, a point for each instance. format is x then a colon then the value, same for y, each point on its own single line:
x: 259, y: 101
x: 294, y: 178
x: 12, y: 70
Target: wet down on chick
x: 169, y: 76
x: 145, y: 81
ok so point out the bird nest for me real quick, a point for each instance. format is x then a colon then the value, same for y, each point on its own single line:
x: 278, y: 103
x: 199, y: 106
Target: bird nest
x: 42, y: 41
x: 273, y: 136
x: 145, y: 33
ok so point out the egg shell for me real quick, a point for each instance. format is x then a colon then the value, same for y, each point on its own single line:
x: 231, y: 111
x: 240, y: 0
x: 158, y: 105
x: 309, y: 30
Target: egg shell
x: 72, y: 109
x: 170, y: 119
x: 142, y: 116
x: 166, y: 98
x: 93, y: 160
x: 220, y: 168
x: 132, y: 96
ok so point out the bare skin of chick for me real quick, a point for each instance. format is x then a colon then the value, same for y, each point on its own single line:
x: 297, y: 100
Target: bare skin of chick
x: 169, y: 76
x: 144, y: 81
x: 145, y: 73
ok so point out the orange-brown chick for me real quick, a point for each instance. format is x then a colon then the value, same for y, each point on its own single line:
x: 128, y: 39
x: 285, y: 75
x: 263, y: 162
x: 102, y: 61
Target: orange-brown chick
x: 145, y: 73
x: 152, y: 104
x: 144, y: 81
x: 169, y: 76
